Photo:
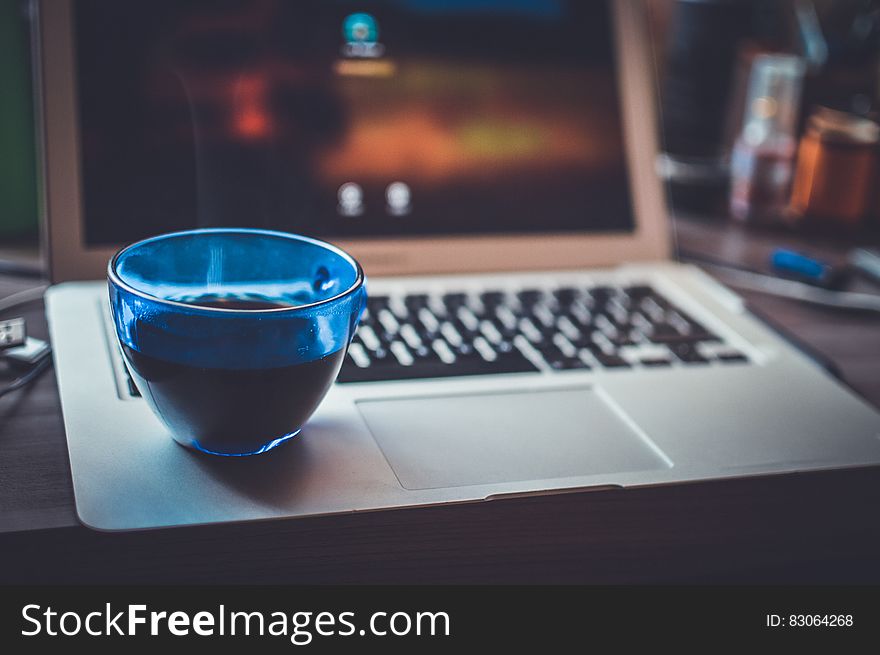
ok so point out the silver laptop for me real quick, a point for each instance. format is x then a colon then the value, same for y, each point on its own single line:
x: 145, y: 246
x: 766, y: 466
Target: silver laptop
x: 491, y: 166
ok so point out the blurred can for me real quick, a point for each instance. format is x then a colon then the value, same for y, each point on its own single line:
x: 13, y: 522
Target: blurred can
x: 836, y: 168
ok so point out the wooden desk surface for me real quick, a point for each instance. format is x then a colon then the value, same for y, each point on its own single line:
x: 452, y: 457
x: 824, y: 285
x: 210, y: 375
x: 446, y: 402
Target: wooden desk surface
x: 818, y: 527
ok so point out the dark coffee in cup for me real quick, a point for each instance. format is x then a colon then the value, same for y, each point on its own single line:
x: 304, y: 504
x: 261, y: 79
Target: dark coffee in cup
x: 271, y: 399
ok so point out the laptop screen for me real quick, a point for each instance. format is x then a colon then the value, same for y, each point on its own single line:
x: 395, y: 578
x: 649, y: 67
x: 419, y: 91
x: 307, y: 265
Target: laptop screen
x: 341, y: 119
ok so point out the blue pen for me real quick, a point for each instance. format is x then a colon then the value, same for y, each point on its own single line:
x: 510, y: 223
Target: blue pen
x: 807, y: 269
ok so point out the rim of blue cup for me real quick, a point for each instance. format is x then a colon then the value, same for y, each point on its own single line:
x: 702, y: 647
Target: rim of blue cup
x: 118, y: 281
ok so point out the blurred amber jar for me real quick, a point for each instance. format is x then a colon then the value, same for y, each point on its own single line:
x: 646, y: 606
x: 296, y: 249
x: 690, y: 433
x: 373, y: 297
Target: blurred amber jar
x: 837, y: 159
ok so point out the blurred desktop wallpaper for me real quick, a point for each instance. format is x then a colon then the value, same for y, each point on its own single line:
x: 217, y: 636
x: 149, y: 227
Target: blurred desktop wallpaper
x: 769, y: 116
x: 412, y: 117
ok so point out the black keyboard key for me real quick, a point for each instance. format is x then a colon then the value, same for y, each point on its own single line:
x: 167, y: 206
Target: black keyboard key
x: 401, y: 314
x: 607, y: 325
x: 624, y: 338
x: 505, y: 332
x: 665, y: 333
x: 692, y: 328
x: 571, y: 363
x: 565, y: 295
x: 652, y: 309
x: 350, y: 360
x: 425, y: 320
x: 424, y: 353
x: 464, y: 349
x: 659, y: 299
x: 493, y: 299
x: 544, y: 319
x: 601, y: 295
x: 426, y: 335
x: 699, y: 333
x: 654, y: 362
x: 385, y: 338
x: 609, y: 360
x: 389, y: 321
x: 639, y: 291
x: 375, y: 303
x: 529, y: 297
x: 454, y: 300
x: 586, y: 340
x: 619, y: 304
x: 381, y: 355
x: 504, y: 347
x: 688, y: 353
x: 550, y: 351
x: 415, y: 302
x: 557, y: 360
x: 513, y: 362
x: 584, y: 320
x: 467, y: 334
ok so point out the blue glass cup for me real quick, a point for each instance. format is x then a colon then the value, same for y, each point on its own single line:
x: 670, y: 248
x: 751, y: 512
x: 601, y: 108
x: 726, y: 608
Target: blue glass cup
x: 234, y: 336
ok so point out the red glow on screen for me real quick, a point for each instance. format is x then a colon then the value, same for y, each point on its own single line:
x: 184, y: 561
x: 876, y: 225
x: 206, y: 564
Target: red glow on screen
x: 252, y: 120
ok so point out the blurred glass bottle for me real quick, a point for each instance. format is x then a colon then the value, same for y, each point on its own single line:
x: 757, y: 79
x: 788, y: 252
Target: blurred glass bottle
x: 763, y: 155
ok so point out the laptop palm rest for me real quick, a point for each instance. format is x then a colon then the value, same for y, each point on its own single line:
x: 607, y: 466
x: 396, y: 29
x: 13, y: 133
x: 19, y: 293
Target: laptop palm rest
x: 487, y: 438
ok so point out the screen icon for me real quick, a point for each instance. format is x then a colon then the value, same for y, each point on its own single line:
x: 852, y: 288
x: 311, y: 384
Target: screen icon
x: 351, y: 199
x: 361, y: 34
x: 399, y: 199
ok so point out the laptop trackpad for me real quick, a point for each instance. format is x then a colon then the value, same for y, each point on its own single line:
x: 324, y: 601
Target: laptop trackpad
x: 458, y: 440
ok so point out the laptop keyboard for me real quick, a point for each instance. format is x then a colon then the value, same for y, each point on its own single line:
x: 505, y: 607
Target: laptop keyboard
x: 566, y: 328
x: 423, y: 336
